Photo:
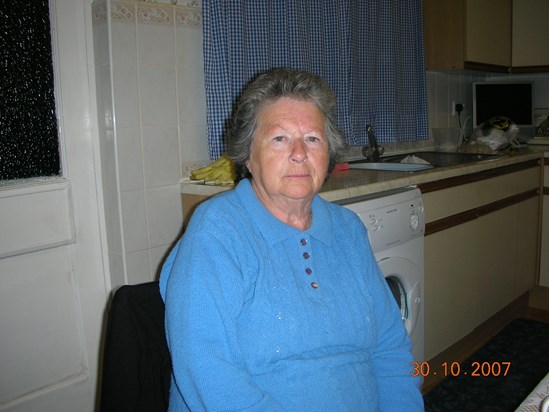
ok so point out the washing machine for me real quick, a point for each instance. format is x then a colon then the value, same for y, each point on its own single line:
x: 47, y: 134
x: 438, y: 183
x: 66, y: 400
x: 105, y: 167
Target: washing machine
x: 396, y: 228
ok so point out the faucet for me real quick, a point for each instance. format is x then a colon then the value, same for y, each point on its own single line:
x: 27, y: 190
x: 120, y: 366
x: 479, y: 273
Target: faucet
x: 373, y: 151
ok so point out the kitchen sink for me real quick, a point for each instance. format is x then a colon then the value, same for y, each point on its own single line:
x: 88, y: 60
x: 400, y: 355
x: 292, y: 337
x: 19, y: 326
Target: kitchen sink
x: 441, y: 159
x: 388, y: 166
x: 412, y: 162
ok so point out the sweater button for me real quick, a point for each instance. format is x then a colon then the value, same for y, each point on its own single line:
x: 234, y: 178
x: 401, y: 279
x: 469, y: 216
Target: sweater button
x: 306, y: 255
x: 314, y: 285
x: 303, y: 241
x: 308, y: 271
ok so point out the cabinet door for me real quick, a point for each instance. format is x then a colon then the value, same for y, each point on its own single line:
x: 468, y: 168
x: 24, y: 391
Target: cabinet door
x: 443, y: 24
x: 470, y: 34
x: 484, y: 258
x: 544, y: 265
x: 530, y: 33
x: 488, y: 26
x: 525, y: 275
x: 450, y: 292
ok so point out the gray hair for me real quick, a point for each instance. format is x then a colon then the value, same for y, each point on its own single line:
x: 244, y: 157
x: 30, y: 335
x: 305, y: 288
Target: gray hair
x: 268, y: 87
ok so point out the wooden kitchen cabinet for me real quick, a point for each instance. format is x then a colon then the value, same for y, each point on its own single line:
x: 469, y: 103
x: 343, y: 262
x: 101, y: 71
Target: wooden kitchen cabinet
x: 544, y: 264
x: 530, y: 34
x: 481, y: 249
x: 468, y: 34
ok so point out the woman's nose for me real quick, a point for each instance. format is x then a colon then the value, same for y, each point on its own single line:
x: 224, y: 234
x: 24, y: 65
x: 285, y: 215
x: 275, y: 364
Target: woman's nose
x: 299, y: 150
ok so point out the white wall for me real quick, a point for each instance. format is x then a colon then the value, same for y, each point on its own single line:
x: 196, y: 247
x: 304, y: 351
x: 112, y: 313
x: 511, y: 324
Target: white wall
x: 150, y: 82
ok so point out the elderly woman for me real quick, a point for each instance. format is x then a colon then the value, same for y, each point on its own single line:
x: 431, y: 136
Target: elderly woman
x: 274, y: 301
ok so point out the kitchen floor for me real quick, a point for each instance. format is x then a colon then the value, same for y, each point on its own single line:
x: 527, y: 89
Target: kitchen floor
x: 534, y: 305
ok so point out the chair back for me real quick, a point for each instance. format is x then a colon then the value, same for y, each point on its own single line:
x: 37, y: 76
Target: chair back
x: 136, y: 362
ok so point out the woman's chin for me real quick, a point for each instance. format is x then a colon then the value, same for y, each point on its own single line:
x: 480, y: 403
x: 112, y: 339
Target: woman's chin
x: 300, y: 191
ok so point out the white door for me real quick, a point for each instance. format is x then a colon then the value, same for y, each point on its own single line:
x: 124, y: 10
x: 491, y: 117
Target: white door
x: 52, y: 273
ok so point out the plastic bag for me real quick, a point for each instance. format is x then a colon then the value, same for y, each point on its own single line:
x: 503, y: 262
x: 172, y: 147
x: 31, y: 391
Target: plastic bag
x: 497, y: 133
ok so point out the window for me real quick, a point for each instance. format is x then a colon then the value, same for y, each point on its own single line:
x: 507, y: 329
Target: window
x: 29, y: 144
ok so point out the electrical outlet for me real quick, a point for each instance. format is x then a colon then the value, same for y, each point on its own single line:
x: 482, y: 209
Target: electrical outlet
x: 453, y: 107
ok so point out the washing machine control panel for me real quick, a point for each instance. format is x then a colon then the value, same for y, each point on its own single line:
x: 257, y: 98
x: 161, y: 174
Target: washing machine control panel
x: 392, y: 219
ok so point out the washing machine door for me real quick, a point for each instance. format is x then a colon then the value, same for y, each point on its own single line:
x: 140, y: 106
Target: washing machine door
x: 403, y: 277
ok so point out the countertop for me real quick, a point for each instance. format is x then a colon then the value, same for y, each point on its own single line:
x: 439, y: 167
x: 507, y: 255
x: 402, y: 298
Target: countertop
x: 352, y: 183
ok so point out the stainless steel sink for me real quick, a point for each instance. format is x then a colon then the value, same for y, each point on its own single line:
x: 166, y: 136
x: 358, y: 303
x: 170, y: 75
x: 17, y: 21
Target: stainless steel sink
x: 412, y: 162
x: 397, y: 167
x: 443, y: 159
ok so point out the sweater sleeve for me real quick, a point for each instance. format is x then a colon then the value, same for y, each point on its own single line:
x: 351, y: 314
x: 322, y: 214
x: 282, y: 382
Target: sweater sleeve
x: 398, y: 389
x: 203, y: 293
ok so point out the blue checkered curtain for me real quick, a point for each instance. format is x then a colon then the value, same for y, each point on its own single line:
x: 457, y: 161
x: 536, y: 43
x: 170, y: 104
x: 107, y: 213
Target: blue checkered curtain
x: 369, y: 51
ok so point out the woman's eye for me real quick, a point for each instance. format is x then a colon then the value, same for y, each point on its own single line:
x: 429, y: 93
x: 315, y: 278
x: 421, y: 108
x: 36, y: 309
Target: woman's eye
x: 279, y: 138
x: 313, y: 139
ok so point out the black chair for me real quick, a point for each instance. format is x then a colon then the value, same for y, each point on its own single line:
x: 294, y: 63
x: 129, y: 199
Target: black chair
x: 136, y: 362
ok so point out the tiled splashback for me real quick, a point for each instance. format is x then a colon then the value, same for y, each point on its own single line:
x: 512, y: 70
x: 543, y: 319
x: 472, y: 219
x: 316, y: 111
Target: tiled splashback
x: 150, y: 96
x: 160, y: 12
x: 443, y: 88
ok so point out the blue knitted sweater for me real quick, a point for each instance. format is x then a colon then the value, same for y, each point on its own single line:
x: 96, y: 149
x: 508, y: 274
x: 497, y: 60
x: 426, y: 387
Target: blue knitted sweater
x: 261, y: 316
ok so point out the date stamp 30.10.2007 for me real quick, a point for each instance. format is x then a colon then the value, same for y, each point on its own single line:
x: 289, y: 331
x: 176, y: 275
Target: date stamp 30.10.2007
x: 476, y: 369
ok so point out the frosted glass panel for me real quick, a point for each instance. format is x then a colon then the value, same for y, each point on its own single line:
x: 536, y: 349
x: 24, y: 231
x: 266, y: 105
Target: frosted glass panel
x: 29, y: 145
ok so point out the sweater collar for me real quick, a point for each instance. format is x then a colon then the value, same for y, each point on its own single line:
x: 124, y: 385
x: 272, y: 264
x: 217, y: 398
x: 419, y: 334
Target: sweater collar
x: 273, y: 229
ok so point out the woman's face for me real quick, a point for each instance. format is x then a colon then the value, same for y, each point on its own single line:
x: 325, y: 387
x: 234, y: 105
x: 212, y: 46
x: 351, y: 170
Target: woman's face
x: 289, y: 154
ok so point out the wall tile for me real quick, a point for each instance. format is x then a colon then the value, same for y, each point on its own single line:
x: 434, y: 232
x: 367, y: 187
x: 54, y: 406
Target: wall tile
x: 445, y: 87
x: 161, y: 156
x: 443, y: 106
x: 157, y: 95
x: 117, y: 271
x: 126, y: 98
x: 187, y: 39
x: 130, y: 158
x: 193, y: 139
x: 454, y: 95
x: 156, y: 43
x: 124, y: 43
x: 153, y: 119
x: 138, y: 267
x: 191, y: 94
x: 112, y: 220
x: 100, y: 33
x: 134, y: 220
x: 108, y: 162
x: 165, y: 217
x: 104, y: 96
x: 432, y: 97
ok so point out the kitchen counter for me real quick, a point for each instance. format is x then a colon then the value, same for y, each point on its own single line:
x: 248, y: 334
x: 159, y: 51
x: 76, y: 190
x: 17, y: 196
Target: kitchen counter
x: 351, y: 183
